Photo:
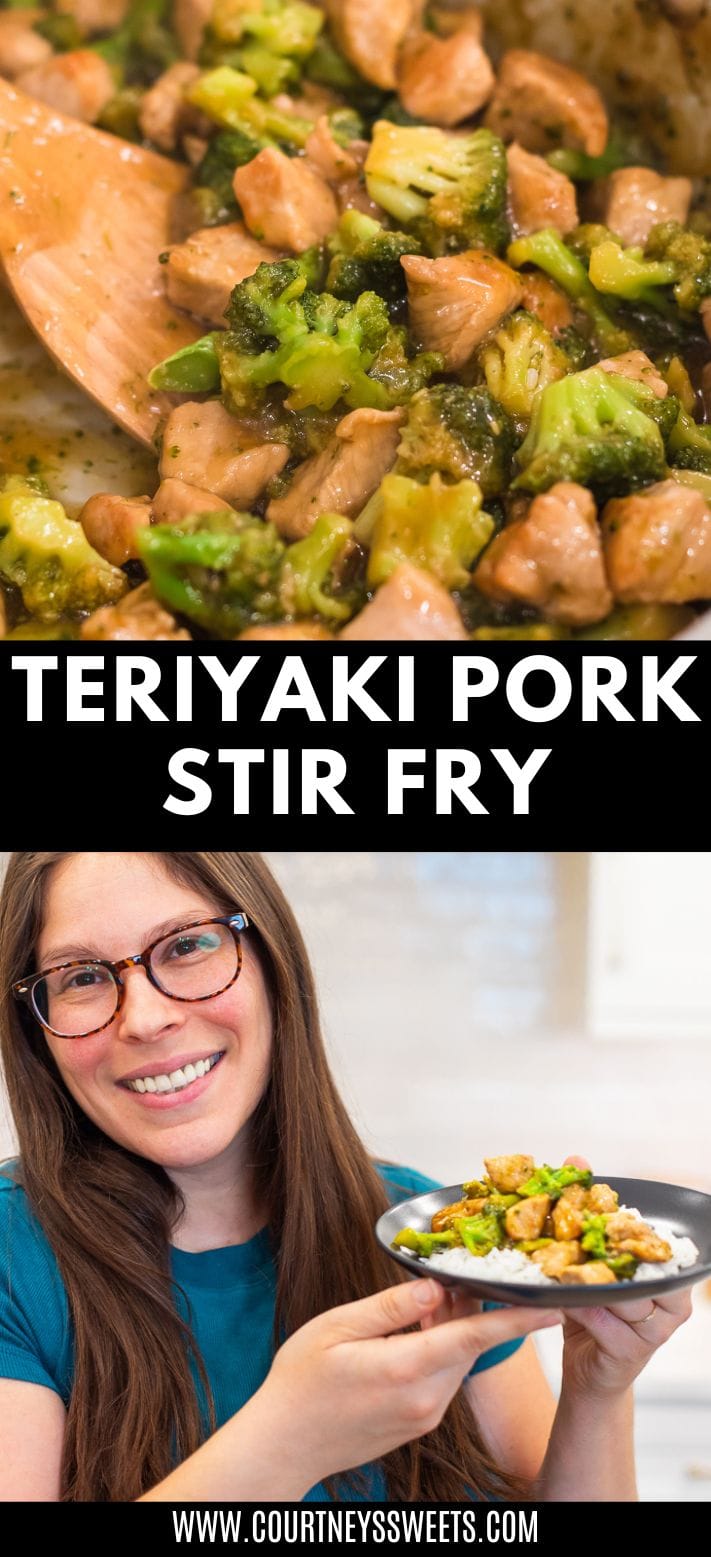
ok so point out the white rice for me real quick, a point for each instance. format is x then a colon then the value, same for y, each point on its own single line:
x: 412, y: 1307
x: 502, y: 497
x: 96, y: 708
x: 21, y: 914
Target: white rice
x: 512, y: 1265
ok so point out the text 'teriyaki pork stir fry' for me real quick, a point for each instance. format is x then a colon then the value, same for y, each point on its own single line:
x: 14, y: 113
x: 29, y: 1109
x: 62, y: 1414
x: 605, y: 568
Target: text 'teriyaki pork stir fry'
x: 455, y: 372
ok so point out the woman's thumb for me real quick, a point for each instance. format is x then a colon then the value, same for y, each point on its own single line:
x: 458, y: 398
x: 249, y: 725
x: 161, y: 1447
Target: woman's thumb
x: 386, y: 1312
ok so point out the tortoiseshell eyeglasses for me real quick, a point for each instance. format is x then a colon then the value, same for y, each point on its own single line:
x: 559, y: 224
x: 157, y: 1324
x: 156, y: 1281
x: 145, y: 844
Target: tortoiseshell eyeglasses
x: 194, y: 962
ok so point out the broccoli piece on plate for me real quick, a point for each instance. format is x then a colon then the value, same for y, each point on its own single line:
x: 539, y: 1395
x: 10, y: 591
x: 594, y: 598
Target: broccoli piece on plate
x: 143, y: 45
x: 424, y: 1244
x: 221, y: 570
x: 549, y: 253
x: 482, y: 1233
x: 227, y: 150
x: 590, y: 428
x: 269, y: 40
x: 309, y: 573
x: 689, y: 445
x: 192, y: 370
x: 689, y: 253
x: 519, y: 360
x: 593, y: 1237
x: 552, y: 1181
x: 462, y: 433
x: 48, y: 558
x: 450, y: 189
x: 625, y: 273
x: 437, y: 527
x: 365, y: 257
x: 322, y: 349
x: 581, y: 167
x: 229, y: 97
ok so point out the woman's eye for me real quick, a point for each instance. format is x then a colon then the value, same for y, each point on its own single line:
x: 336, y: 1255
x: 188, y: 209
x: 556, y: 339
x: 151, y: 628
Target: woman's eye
x: 85, y: 978
x: 185, y: 946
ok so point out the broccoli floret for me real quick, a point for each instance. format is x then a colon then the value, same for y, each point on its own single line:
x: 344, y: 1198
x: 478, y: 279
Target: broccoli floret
x: 450, y: 189
x: 346, y: 125
x: 229, y: 149
x: 519, y: 360
x: 143, y: 45
x: 588, y: 236
x: 221, y: 570
x: 437, y: 527
x: 48, y: 558
x: 309, y: 566
x: 625, y: 273
x: 629, y: 623
x: 321, y: 348
x: 552, y: 1181
x: 63, y: 32
x: 689, y: 445
x: 268, y: 41
x: 228, y: 571
x: 594, y: 1241
x: 547, y: 250
x: 689, y: 254
x: 480, y: 1234
x: 230, y: 98
x: 589, y: 428
x: 366, y: 258
x: 424, y: 1244
x: 462, y: 433
x: 581, y: 167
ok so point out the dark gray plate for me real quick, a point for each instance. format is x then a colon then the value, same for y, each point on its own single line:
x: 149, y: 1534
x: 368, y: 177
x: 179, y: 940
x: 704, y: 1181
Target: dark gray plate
x: 684, y: 1212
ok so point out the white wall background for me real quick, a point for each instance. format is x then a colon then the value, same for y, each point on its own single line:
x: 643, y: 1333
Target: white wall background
x: 458, y: 1012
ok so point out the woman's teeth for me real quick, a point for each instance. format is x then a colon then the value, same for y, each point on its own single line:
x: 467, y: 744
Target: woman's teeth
x: 177, y: 1079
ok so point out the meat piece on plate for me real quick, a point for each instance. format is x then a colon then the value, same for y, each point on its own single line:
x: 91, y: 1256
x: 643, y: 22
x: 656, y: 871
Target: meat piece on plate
x: 164, y: 112
x: 174, y: 500
x: 410, y: 605
x: 284, y: 201
x: 202, y: 271
x: 552, y: 559
x: 594, y: 1273
x: 539, y: 196
x: 284, y: 632
x: 542, y: 104
x: 556, y: 1257
x: 444, y: 1219
x: 636, y: 365
x: 706, y: 316
x: 332, y: 161
x: 343, y: 476
x: 601, y: 1198
x: 93, y: 15
x: 567, y: 1213
x: 139, y: 616
x: 638, y: 198
x: 658, y: 545
x: 543, y: 298
x: 208, y: 448
x: 111, y: 523
x: 78, y: 83
x: 527, y: 1218
x: 455, y: 301
x: 444, y: 80
x: 628, y: 1234
x: 190, y: 18
x: 21, y: 48
x: 370, y: 34
x: 507, y: 1174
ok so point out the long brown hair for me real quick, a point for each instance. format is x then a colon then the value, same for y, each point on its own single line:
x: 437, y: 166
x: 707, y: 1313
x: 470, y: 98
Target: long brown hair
x: 108, y: 1215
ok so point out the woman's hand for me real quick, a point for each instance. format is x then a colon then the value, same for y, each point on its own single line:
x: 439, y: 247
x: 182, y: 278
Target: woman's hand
x: 604, y: 1349
x: 347, y: 1387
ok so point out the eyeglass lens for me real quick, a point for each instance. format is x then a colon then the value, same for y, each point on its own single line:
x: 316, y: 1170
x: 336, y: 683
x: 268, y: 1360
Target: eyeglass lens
x: 189, y: 965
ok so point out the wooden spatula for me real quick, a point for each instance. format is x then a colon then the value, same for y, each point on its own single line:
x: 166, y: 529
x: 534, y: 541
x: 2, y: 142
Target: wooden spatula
x: 83, y: 219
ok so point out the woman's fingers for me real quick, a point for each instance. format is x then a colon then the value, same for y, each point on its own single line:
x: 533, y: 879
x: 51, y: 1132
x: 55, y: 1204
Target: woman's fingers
x: 461, y: 1340
x: 576, y: 1162
x: 385, y: 1312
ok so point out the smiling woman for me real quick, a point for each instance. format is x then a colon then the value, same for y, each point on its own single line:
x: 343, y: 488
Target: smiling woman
x: 177, y: 1231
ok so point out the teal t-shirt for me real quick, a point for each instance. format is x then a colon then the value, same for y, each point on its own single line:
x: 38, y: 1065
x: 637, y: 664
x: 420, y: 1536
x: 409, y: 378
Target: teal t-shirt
x: 231, y: 1293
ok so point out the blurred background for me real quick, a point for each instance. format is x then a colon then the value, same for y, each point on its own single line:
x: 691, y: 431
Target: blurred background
x: 480, y: 1004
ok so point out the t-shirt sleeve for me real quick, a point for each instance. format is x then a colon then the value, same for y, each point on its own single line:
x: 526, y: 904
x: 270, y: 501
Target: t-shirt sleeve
x: 401, y: 1183
x: 34, y: 1333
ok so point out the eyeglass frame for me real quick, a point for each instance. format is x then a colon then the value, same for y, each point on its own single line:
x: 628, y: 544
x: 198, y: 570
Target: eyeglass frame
x: 23, y: 989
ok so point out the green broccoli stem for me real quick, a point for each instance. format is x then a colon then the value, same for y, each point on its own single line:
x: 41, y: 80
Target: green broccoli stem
x: 195, y: 369
x: 306, y: 568
x: 549, y: 253
x: 229, y: 97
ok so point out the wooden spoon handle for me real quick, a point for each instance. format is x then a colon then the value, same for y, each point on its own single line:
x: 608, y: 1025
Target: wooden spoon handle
x: 84, y: 217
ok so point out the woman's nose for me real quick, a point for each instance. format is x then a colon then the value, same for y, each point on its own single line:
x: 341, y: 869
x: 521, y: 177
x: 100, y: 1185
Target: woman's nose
x: 145, y: 1011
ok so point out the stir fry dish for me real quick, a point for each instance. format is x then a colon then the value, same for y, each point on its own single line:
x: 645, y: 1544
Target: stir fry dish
x: 454, y: 379
x: 566, y: 1228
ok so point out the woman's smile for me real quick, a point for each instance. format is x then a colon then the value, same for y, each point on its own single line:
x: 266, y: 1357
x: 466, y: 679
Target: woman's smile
x: 173, y: 1085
